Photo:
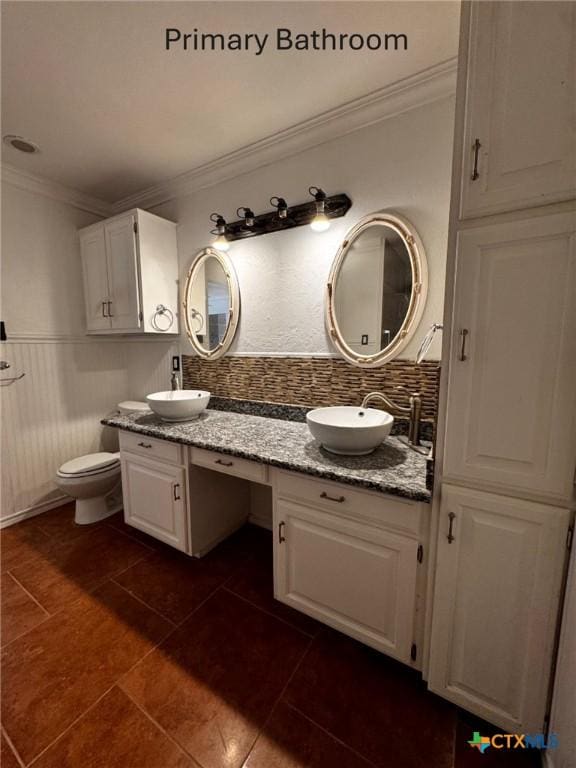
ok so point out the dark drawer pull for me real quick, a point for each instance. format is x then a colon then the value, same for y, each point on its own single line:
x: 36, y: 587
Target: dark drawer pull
x: 451, y: 536
x: 281, y: 537
x: 176, y: 490
x: 145, y: 445
x: 224, y: 463
x: 476, y: 150
x: 338, y: 499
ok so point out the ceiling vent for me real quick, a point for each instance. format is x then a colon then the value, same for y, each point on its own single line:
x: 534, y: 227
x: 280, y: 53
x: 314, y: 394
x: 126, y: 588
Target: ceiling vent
x: 21, y: 144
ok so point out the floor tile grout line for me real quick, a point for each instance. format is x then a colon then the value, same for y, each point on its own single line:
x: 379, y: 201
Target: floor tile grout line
x: 143, y: 602
x: 12, y: 747
x: 279, y: 699
x: 268, y: 613
x: 38, y: 603
x: 160, y: 642
x: 85, y: 593
x: 161, y: 728
x: 69, y: 727
x: 197, y: 608
x: 329, y: 733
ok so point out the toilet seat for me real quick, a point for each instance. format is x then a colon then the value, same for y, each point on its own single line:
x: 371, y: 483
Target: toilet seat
x: 89, y: 465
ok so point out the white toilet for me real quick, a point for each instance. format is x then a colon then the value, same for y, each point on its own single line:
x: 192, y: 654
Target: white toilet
x: 94, y: 480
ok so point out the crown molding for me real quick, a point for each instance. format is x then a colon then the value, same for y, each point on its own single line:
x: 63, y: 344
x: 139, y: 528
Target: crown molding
x: 42, y: 186
x: 436, y: 82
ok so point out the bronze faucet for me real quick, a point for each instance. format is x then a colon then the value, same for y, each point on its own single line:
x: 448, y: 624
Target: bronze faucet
x: 412, y: 411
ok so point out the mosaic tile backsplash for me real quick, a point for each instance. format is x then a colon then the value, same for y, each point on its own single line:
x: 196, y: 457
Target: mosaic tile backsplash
x: 312, y: 381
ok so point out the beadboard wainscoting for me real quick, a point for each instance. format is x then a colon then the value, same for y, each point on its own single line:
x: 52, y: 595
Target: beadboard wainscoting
x: 53, y: 414
x: 312, y: 381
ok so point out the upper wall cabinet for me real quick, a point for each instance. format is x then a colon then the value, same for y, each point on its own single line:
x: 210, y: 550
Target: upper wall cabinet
x: 130, y: 267
x: 512, y: 386
x: 519, y: 138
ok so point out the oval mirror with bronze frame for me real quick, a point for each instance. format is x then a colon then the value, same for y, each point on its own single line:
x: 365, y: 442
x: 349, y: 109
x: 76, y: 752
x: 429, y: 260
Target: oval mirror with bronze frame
x: 211, y: 303
x: 376, y: 290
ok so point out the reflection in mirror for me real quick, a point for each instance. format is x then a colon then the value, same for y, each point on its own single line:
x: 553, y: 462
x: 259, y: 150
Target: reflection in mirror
x: 376, y: 290
x: 211, y: 303
x: 373, y: 291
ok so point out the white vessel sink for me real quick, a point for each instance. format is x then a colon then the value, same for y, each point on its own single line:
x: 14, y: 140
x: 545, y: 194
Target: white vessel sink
x: 181, y: 405
x: 349, y: 430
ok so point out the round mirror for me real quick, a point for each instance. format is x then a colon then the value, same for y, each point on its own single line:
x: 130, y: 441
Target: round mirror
x: 211, y: 303
x: 376, y: 290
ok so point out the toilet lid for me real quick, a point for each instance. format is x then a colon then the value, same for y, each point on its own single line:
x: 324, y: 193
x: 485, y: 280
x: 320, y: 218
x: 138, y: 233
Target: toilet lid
x: 90, y: 463
x: 133, y: 406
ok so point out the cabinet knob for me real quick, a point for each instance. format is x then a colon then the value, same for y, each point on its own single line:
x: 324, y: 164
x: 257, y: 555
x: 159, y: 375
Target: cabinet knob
x: 224, y: 463
x: 145, y: 445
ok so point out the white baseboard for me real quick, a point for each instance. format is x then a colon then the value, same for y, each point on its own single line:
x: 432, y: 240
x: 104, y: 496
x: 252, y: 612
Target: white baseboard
x: 37, y: 509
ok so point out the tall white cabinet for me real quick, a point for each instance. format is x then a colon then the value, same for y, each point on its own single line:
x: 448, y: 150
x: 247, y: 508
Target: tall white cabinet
x: 519, y: 147
x: 130, y: 269
x: 507, y: 429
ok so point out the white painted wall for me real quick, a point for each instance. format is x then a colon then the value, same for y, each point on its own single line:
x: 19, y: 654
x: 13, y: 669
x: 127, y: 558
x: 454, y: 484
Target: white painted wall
x: 402, y: 164
x: 72, y: 380
x: 563, y: 719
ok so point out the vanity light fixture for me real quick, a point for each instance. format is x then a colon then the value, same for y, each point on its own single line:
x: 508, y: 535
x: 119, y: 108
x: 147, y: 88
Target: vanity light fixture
x: 281, y: 206
x: 320, y: 222
x: 247, y: 214
x: 221, y: 242
x: 317, y: 213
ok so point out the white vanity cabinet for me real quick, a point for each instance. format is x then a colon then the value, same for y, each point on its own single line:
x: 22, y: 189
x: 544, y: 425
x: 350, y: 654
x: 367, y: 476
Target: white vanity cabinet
x: 169, y: 497
x: 519, y: 143
x: 497, y: 592
x: 154, y: 487
x: 510, y: 422
x: 351, y: 559
x: 130, y: 268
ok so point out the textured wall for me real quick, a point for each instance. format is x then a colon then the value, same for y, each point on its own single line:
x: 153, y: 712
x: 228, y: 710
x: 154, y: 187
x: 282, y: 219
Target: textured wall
x: 402, y: 163
x: 312, y: 381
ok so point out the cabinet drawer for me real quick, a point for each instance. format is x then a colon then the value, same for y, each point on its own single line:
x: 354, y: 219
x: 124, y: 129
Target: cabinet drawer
x: 150, y: 446
x: 376, y: 508
x: 230, y: 465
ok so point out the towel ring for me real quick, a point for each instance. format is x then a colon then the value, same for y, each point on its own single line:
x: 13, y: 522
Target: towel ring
x: 195, y: 315
x: 163, y: 312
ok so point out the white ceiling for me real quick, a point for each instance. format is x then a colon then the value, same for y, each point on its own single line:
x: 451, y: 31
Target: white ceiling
x: 114, y: 113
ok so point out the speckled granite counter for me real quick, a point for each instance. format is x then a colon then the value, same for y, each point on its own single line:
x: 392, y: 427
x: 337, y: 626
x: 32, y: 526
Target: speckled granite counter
x: 393, y: 468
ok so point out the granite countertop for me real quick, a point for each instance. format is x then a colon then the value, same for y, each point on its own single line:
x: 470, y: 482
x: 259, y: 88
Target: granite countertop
x: 394, y: 468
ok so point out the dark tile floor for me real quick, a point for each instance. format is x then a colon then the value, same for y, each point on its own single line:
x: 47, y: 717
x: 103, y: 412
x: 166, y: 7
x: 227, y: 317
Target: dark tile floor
x: 121, y: 652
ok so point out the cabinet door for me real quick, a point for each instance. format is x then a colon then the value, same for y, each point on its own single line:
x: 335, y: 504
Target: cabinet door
x: 356, y: 578
x: 496, y: 599
x: 94, y: 271
x: 155, y: 499
x: 512, y: 384
x: 520, y: 102
x: 122, y: 260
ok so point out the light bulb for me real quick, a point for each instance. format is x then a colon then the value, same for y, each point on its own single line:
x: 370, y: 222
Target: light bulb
x: 221, y: 243
x: 320, y: 222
